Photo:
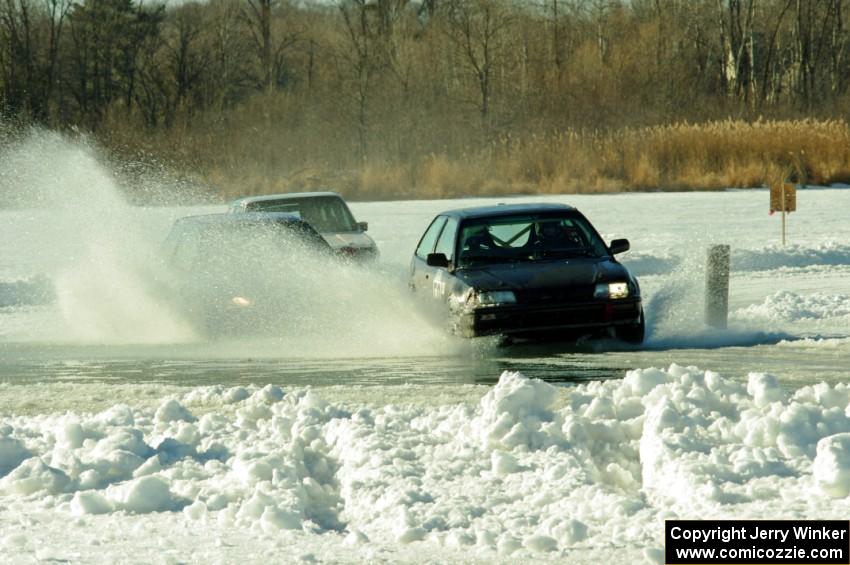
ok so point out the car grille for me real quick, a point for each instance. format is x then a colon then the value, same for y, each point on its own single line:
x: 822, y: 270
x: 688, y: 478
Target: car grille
x: 579, y: 316
x: 544, y: 296
x: 582, y: 315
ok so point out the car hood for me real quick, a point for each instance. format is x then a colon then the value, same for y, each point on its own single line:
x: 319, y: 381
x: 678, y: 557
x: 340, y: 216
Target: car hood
x: 544, y: 274
x: 355, y: 240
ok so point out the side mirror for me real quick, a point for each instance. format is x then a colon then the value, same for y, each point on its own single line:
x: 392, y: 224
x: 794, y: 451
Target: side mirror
x: 437, y: 260
x: 363, y: 226
x: 619, y: 246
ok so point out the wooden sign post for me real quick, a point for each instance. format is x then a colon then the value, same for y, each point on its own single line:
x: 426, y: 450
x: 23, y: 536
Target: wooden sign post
x: 717, y: 286
x: 783, y: 198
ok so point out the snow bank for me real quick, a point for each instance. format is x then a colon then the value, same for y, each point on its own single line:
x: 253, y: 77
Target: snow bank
x: 643, y: 264
x: 530, y: 471
x: 777, y: 256
x: 832, y: 465
x: 744, y: 259
x: 789, y: 306
x: 12, y: 451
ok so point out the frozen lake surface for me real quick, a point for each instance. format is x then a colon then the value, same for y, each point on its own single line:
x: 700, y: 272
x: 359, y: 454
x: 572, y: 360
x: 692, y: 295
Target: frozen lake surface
x: 788, y: 306
x: 359, y: 431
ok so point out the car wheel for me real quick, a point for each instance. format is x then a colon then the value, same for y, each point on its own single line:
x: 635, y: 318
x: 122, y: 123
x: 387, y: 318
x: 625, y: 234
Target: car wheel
x: 505, y: 341
x: 453, y: 325
x: 633, y: 333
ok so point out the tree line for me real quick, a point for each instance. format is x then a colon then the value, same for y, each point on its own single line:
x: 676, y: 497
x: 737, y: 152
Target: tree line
x: 254, y: 91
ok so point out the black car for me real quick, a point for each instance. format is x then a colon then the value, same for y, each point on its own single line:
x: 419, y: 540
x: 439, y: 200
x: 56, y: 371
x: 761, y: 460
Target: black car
x: 526, y: 270
x: 242, y: 273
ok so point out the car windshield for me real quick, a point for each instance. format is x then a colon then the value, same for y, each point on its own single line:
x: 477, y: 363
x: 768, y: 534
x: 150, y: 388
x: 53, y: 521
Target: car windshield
x: 325, y: 213
x: 527, y: 238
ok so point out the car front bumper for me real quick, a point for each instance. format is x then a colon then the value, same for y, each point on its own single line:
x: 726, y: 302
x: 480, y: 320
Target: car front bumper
x: 519, y: 319
x: 358, y: 254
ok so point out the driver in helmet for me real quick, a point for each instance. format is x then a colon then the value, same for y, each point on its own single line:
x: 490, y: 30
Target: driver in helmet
x: 551, y: 234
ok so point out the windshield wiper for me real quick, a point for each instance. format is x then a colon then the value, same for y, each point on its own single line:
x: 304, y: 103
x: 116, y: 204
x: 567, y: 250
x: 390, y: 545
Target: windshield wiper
x: 577, y: 252
x: 467, y: 259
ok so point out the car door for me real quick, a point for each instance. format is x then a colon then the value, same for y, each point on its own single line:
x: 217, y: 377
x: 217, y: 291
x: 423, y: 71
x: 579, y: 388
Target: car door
x: 441, y: 278
x: 420, y: 273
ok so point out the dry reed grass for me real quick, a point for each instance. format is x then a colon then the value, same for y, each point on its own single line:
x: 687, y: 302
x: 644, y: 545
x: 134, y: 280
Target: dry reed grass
x: 709, y: 156
x: 682, y: 156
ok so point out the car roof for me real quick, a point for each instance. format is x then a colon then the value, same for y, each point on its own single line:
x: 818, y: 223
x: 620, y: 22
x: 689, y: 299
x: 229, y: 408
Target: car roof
x: 187, y: 225
x: 285, y: 196
x: 247, y: 218
x: 507, y: 210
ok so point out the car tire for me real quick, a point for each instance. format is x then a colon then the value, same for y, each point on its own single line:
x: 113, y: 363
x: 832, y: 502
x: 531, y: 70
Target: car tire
x: 505, y: 341
x: 633, y: 333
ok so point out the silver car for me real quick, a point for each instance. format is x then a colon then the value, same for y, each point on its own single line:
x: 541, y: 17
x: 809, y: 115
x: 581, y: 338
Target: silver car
x: 327, y: 212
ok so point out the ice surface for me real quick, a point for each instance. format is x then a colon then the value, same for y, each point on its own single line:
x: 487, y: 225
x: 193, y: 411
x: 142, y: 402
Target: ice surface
x: 75, y: 238
x: 529, y: 471
x: 128, y: 471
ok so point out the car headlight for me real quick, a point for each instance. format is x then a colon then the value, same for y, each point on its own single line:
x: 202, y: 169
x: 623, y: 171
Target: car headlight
x: 612, y: 290
x: 495, y: 298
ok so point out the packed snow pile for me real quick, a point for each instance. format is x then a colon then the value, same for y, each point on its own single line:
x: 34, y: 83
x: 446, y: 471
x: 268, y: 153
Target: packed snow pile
x: 643, y: 264
x: 744, y: 259
x: 794, y: 255
x: 531, y: 470
x: 832, y: 465
x: 790, y: 306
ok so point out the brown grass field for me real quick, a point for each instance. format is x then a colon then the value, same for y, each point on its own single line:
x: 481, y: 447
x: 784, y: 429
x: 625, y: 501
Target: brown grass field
x: 678, y: 157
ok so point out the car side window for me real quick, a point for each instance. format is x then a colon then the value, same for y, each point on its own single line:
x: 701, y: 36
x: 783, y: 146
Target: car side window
x: 429, y: 239
x: 446, y: 243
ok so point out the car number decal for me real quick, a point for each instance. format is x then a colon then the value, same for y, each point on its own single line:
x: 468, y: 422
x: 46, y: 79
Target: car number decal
x: 439, y: 286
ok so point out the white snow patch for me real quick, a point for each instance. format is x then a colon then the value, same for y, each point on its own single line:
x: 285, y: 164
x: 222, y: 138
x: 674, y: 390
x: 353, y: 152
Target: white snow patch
x: 789, y: 306
x: 90, y: 502
x: 531, y: 471
x: 832, y: 465
x: 171, y: 410
x: 12, y: 453
x: 142, y: 495
x: 792, y: 255
x: 643, y: 264
x: 33, y: 476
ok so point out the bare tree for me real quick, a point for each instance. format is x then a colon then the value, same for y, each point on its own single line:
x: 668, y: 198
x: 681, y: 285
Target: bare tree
x: 259, y: 17
x: 30, y: 35
x: 366, y: 52
x: 57, y: 10
x: 735, y: 19
x: 229, y: 74
x: 186, y: 59
x: 269, y: 40
x: 476, y: 27
x: 769, y: 85
x: 19, y: 54
x: 838, y: 43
